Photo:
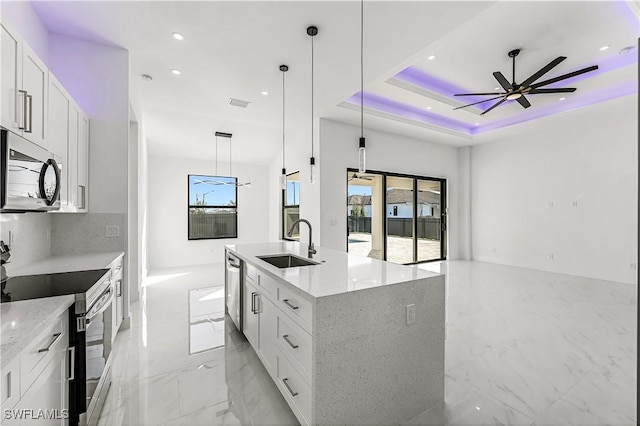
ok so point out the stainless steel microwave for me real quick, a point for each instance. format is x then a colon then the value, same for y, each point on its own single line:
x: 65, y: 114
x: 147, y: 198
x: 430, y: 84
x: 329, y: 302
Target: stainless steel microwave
x: 31, y: 176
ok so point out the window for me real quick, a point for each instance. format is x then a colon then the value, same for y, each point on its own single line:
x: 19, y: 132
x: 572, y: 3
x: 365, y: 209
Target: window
x: 213, y: 207
x: 291, y: 206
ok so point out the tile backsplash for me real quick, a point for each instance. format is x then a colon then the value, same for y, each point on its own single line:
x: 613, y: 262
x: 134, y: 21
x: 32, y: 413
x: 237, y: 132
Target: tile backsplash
x: 87, y: 233
x: 31, y: 240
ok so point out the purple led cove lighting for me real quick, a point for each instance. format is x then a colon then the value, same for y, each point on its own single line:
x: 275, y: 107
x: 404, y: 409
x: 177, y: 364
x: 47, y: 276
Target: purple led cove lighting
x: 421, y: 79
x: 611, y: 62
x: 410, y: 112
x: 566, y: 105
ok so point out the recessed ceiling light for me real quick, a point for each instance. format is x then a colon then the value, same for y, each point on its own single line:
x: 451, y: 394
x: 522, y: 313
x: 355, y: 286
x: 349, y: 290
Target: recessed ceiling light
x: 496, y: 88
x: 563, y: 98
x: 431, y: 58
x: 428, y: 107
x: 177, y: 36
x: 603, y: 48
x: 264, y: 93
x: 625, y: 50
x: 477, y: 124
x: 146, y: 77
x: 176, y: 72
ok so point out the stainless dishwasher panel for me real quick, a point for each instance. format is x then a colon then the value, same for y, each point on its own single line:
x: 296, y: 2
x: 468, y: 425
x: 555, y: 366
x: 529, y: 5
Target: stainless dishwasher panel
x: 233, y: 288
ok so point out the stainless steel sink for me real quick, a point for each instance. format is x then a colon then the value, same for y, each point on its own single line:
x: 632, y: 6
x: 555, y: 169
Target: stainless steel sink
x: 286, y: 260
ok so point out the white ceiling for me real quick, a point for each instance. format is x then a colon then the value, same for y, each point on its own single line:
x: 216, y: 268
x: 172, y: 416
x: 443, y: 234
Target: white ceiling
x: 233, y: 49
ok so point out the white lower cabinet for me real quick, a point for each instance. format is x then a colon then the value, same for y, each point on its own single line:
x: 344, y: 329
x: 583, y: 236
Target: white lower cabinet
x: 278, y: 334
x: 35, y: 387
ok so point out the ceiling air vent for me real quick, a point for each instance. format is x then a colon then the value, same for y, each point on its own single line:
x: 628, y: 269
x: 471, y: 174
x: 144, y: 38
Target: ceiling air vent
x: 238, y: 103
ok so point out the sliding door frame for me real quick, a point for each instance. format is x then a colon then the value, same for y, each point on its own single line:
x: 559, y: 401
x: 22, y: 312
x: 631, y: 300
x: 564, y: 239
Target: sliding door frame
x: 443, y: 212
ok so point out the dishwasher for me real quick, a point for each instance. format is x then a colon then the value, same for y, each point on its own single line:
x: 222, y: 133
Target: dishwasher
x: 233, y: 289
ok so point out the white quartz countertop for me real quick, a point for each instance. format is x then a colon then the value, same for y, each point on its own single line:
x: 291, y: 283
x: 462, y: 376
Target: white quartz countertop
x: 67, y: 263
x: 337, y: 273
x: 22, y: 321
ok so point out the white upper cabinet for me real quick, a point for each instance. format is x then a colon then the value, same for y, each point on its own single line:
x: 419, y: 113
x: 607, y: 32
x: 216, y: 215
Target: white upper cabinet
x: 58, y: 135
x: 83, y: 163
x: 72, y: 159
x: 11, y: 114
x: 34, y: 82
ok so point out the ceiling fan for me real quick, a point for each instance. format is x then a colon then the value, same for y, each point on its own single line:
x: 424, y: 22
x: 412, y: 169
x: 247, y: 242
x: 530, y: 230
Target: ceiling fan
x: 362, y: 177
x: 517, y: 92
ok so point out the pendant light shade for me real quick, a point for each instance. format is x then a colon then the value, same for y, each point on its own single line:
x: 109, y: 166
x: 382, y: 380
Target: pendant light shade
x: 312, y: 31
x: 362, y: 150
x: 283, y: 176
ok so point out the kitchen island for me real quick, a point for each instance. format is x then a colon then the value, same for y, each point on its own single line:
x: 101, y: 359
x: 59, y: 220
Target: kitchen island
x: 348, y: 339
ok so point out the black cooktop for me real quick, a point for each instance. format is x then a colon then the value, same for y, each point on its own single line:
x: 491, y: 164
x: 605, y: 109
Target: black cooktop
x: 48, y: 285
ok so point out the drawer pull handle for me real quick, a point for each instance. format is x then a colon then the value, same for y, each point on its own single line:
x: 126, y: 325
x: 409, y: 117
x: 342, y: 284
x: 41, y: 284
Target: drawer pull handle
x: 286, y: 302
x: 286, y: 339
x: 291, y: 391
x: 72, y: 363
x: 53, y: 341
x: 8, y: 385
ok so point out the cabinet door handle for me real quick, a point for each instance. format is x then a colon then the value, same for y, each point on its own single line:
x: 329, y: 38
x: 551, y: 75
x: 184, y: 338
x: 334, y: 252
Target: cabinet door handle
x: 24, y: 110
x: 30, y: 99
x: 286, y: 339
x: 291, y: 391
x: 53, y: 341
x: 72, y: 363
x: 83, y: 189
x: 286, y: 302
x: 253, y: 302
x: 119, y: 291
x: 8, y: 385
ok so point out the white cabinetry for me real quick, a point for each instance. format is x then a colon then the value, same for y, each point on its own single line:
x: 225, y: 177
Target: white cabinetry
x: 34, y: 85
x: 11, y: 115
x: 83, y: 162
x: 118, y: 311
x: 37, y: 379
x: 58, y: 136
x: 24, y: 88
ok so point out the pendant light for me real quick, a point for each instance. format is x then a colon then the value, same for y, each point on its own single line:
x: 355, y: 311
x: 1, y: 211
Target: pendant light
x: 283, y: 176
x: 362, y: 166
x: 312, y: 31
x: 219, y: 182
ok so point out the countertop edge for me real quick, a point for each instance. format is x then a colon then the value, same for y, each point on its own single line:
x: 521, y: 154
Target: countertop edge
x: 66, y: 263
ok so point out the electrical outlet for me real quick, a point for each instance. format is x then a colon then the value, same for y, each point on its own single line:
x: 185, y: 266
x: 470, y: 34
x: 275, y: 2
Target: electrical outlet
x: 575, y: 203
x: 550, y: 204
x: 112, y: 231
x: 633, y: 265
x: 411, y: 314
x: 12, y: 237
x: 494, y: 250
x: 551, y: 256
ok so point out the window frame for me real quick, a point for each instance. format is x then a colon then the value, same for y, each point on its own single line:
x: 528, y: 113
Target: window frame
x: 286, y: 207
x: 189, y: 206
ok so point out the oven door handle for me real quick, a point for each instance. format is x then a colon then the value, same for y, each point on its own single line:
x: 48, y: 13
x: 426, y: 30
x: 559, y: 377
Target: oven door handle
x: 101, y: 305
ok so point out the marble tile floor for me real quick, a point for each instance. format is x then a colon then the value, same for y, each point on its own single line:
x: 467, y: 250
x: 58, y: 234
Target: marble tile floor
x: 523, y: 347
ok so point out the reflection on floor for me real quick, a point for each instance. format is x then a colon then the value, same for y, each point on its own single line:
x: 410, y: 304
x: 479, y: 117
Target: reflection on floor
x: 156, y: 381
x: 523, y: 347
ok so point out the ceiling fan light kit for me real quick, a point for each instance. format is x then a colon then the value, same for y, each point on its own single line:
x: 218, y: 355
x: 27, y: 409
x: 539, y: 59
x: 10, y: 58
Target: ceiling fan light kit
x: 516, y: 92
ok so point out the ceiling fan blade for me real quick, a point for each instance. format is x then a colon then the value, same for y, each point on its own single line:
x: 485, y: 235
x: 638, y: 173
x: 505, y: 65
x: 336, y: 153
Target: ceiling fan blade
x: 523, y: 101
x: 502, y: 80
x: 479, y: 102
x: 480, y: 94
x: 494, y: 105
x: 559, y: 90
x: 565, y: 76
x: 542, y: 71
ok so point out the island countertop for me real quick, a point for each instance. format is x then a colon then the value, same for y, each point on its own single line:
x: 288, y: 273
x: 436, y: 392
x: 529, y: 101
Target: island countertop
x: 338, y: 272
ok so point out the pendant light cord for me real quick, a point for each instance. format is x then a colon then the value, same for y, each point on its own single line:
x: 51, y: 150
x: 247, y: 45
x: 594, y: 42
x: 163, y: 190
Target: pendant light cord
x: 216, y: 155
x: 312, y: 97
x: 283, y: 122
x: 230, y: 163
x: 361, y: 68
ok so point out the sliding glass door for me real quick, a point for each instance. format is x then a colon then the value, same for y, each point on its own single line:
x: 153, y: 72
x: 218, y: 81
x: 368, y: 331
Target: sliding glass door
x: 398, y: 218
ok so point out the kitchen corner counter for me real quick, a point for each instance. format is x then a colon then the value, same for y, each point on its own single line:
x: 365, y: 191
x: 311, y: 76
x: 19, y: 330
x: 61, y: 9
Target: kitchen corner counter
x: 22, y: 321
x: 67, y: 263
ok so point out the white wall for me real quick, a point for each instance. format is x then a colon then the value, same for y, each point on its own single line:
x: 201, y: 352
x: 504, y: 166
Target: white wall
x: 564, y: 185
x: 22, y: 18
x: 385, y: 152
x: 168, y: 245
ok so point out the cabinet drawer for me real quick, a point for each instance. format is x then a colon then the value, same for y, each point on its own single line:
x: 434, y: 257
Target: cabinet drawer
x: 268, y: 286
x: 38, y: 354
x: 295, y: 390
x: 10, y: 382
x: 295, y: 341
x: 250, y: 272
x: 295, y: 306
